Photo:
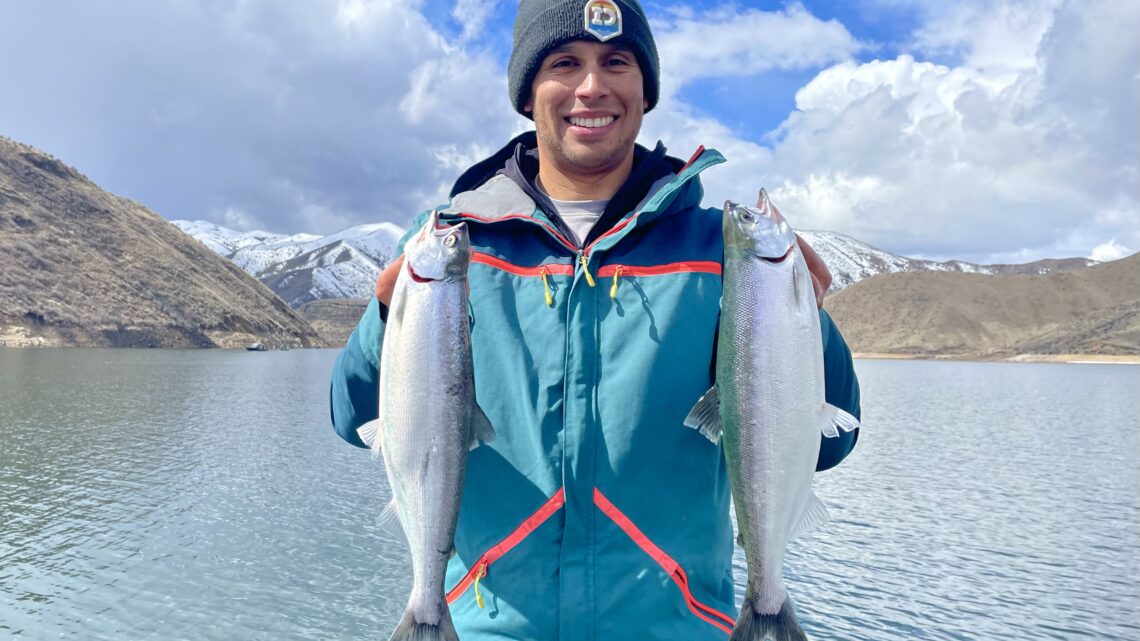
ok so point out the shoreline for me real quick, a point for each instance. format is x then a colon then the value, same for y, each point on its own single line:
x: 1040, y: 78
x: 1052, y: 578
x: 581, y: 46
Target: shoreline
x: 1099, y: 359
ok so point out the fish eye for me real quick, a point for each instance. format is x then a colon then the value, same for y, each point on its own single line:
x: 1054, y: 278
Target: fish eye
x: 449, y: 240
x: 747, y: 216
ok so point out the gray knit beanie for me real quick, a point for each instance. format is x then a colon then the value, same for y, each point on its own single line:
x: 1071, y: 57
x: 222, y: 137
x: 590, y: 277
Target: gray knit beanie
x: 543, y: 25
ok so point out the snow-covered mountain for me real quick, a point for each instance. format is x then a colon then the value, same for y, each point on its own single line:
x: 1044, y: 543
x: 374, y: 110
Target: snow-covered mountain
x: 851, y: 261
x: 305, y: 267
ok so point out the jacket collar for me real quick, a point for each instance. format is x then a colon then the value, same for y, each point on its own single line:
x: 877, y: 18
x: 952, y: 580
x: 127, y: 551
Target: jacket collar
x: 502, y: 186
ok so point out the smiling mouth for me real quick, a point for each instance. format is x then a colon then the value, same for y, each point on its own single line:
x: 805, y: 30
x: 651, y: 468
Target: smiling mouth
x: 591, y: 123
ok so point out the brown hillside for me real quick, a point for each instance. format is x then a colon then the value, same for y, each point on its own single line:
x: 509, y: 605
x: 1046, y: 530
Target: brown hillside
x: 1095, y: 310
x: 80, y: 266
x: 334, y: 318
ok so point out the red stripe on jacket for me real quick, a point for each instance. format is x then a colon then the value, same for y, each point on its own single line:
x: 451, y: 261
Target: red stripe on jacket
x: 548, y: 509
x: 671, y: 567
x: 567, y: 269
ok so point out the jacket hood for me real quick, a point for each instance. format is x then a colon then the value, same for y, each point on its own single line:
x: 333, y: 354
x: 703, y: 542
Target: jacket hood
x: 518, y: 161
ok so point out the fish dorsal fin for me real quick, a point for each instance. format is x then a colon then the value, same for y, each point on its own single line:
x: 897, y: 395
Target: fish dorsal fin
x: 815, y: 513
x: 370, y: 433
x: 832, y: 419
x: 481, y: 429
x: 705, y: 416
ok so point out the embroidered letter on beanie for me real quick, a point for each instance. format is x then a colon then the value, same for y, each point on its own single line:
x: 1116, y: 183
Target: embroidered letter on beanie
x: 603, y: 19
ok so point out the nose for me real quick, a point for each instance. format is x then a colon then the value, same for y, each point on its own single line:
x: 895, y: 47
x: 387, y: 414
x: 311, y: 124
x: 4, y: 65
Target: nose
x: 593, y: 84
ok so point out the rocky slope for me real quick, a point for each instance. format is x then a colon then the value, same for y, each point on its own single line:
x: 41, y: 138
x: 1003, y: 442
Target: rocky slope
x: 1087, y: 311
x: 80, y: 266
x: 334, y: 318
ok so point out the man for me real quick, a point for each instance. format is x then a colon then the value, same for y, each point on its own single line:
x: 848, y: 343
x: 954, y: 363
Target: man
x: 594, y: 295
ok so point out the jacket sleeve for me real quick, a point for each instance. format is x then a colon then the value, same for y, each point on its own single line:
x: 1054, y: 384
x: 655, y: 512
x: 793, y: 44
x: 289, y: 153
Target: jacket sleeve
x: 354, y: 390
x: 356, y: 376
x: 842, y: 391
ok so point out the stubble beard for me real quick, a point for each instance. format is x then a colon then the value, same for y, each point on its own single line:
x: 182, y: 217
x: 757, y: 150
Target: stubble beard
x: 586, y: 160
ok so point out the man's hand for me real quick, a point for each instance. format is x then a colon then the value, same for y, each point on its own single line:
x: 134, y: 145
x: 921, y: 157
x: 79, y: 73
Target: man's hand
x: 820, y: 275
x: 386, y: 284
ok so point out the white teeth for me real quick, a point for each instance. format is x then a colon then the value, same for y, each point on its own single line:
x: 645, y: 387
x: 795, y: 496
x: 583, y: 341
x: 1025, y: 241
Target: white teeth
x: 591, y: 122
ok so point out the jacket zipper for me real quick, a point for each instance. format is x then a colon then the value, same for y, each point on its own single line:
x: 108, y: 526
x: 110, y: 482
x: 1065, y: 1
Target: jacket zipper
x: 584, y: 261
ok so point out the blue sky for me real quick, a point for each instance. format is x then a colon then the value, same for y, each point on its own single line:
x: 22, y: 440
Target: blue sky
x: 757, y: 104
x: 987, y: 130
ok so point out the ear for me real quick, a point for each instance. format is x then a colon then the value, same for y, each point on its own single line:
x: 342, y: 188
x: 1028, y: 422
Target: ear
x: 528, y: 106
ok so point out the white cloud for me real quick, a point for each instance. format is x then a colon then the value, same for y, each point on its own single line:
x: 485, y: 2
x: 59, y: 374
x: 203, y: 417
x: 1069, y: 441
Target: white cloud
x: 237, y: 219
x: 1110, y: 250
x: 731, y: 42
x: 289, y: 112
x: 1023, y: 141
x: 1030, y: 150
x: 993, y: 35
x: 473, y: 15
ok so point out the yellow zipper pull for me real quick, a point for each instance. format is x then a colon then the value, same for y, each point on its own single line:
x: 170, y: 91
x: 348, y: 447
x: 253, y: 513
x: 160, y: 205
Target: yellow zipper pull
x: 546, y: 286
x: 478, y: 575
x: 586, y: 269
x: 613, y: 290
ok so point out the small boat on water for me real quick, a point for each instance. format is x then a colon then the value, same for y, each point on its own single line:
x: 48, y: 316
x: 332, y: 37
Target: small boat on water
x: 257, y: 346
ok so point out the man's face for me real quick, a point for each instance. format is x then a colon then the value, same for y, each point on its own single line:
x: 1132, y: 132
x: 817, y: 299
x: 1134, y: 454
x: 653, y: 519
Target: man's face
x: 587, y: 101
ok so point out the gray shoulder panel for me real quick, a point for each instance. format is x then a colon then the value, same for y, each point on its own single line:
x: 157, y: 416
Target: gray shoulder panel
x: 497, y: 197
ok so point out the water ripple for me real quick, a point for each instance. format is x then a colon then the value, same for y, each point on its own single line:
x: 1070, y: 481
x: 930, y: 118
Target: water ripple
x: 201, y: 495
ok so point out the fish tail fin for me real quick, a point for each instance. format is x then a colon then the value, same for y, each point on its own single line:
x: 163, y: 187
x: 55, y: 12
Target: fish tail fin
x: 410, y: 629
x: 782, y: 626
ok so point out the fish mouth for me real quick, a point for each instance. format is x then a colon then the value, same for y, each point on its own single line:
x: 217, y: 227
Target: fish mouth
x: 779, y: 259
x: 416, y: 277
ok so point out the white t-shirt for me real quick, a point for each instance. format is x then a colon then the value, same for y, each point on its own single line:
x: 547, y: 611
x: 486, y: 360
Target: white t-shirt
x: 579, y: 215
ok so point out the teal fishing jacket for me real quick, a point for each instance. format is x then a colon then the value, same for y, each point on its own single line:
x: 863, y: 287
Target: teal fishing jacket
x: 594, y: 514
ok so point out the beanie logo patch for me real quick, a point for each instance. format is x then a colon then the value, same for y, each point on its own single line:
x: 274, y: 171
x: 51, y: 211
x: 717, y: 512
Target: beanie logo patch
x: 603, y: 19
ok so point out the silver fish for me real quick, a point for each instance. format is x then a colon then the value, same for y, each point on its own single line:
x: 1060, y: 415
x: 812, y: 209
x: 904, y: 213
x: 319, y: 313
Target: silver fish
x: 428, y: 418
x: 768, y: 402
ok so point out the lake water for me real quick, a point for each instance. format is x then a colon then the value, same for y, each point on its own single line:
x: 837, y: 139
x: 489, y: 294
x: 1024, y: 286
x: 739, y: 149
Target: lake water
x: 202, y: 495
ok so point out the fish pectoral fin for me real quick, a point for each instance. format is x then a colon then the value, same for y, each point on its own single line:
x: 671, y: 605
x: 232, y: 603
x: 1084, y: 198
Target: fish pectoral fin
x: 481, y: 429
x: 815, y: 513
x: 832, y: 419
x: 705, y: 416
x: 370, y: 434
